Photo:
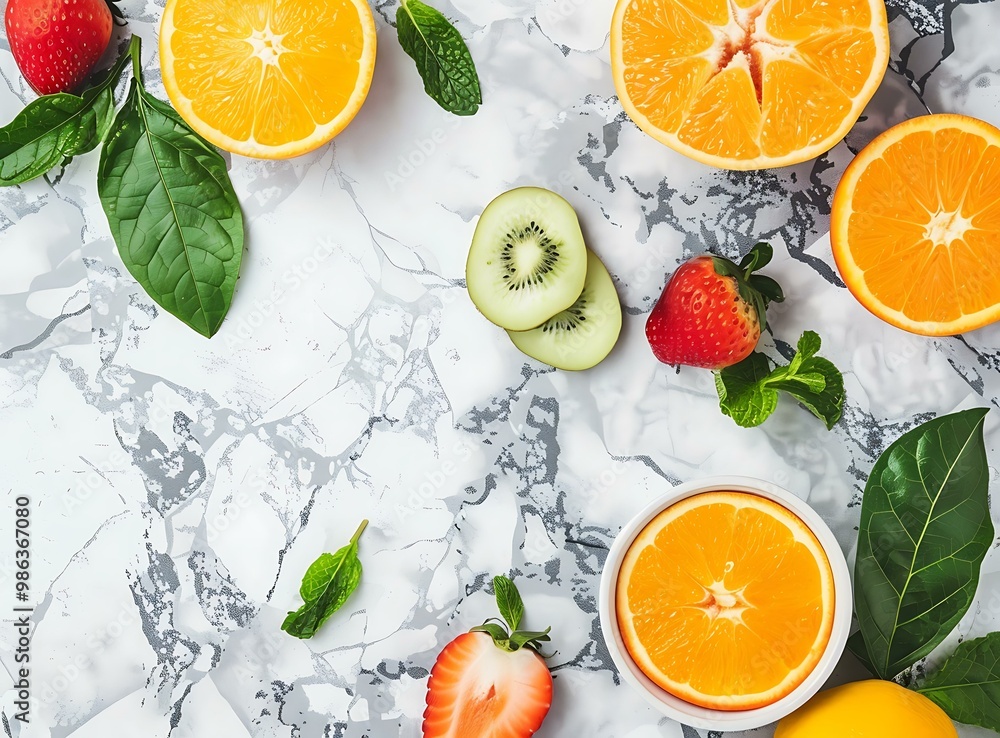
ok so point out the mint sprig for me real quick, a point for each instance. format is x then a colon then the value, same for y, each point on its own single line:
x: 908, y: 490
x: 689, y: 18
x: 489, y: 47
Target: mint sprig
x: 327, y: 584
x: 443, y: 60
x: 748, y: 391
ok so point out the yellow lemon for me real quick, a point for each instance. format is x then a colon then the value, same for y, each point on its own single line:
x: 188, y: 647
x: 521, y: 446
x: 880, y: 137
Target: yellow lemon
x: 871, y: 709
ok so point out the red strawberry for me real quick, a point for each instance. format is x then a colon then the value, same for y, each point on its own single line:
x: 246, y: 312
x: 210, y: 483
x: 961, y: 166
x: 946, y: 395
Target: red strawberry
x: 712, y: 311
x: 56, y: 43
x: 490, y: 683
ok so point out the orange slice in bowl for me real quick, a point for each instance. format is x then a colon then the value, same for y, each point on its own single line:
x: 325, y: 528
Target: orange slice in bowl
x: 726, y: 600
x: 267, y: 78
x: 748, y: 84
x: 915, y: 226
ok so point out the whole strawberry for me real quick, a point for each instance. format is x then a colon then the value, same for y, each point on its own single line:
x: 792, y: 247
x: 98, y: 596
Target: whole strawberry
x: 491, y: 682
x: 56, y: 43
x: 712, y: 311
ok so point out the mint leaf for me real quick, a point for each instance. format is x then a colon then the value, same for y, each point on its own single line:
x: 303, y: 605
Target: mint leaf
x: 925, y: 529
x: 748, y: 391
x: 53, y: 129
x: 509, y: 601
x: 443, y: 60
x: 743, y: 394
x: 172, y: 210
x: 967, y: 686
x: 327, y: 584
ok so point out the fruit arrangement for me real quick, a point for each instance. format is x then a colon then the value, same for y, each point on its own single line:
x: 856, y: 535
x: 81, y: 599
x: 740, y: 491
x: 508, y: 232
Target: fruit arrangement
x: 725, y: 601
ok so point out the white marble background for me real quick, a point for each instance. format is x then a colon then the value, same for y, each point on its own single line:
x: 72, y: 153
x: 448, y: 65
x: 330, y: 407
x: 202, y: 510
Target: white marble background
x: 181, y: 486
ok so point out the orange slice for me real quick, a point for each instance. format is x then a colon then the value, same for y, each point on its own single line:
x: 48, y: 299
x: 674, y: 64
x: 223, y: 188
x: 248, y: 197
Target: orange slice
x: 915, y: 226
x: 748, y: 84
x: 267, y: 78
x: 726, y: 600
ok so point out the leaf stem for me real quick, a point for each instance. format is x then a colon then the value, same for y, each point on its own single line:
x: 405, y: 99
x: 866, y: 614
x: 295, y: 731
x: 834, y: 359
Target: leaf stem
x: 134, y: 49
x: 360, y: 530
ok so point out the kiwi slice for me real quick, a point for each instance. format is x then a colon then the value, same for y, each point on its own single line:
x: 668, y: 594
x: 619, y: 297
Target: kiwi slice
x: 582, y: 335
x: 528, y: 260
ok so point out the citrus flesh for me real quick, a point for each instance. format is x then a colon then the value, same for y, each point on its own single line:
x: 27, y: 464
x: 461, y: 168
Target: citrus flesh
x: 748, y: 84
x: 915, y: 225
x: 868, y: 709
x: 726, y: 600
x: 267, y: 78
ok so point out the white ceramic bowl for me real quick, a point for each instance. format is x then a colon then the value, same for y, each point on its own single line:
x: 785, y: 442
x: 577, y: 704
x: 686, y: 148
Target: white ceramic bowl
x: 701, y: 717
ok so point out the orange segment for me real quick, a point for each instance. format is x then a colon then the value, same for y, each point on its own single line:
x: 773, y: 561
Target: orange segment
x: 724, y: 120
x: 726, y: 600
x: 267, y: 78
x: 748, y: 84
x: 800, y: 108
x: 915, y: 226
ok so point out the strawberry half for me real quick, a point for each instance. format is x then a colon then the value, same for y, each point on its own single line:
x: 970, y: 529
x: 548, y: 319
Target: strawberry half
x: 490, y: 682
x: 56, y: 43
x: 712, y: 312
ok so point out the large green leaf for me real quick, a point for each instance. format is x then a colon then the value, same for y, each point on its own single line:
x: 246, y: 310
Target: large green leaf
x: 925, y: 528
x: 54, y: 128
x: 172, y: 211
x: 967, y: 687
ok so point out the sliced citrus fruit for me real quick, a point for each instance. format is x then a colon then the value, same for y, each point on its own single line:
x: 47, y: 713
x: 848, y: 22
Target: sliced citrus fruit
x: 748, y: 84
x: 726, y: 600
x: 915, y: 226
x: 267, y: 78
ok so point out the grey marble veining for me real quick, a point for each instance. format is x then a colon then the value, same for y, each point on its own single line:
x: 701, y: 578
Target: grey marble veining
x: 180, y: 487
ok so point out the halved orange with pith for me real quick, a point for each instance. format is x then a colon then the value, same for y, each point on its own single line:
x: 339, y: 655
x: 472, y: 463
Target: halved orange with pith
x: 748, y: 84
x: 726, y: 600
x: 267, y: 78
x: 915, y: 227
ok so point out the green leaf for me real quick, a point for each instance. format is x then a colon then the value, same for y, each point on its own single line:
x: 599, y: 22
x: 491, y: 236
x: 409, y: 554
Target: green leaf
x: 766, y: 286
x: 172, y: 211
x: 757, y: 258
x: 748, y: 391
x: 497, y: 632
x: 743, y: 394
x: 967, y: 686
x: 443, y: 60
x: 856, y: 645
x: 508, y: 601
x: 327, y: 584
x: 529, y: 638
x: 53, y: 129
x: 925, y: 528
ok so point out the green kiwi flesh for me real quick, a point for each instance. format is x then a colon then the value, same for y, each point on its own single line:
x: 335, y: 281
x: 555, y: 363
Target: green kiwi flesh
x: 528, y: 260
x: 582, y: 335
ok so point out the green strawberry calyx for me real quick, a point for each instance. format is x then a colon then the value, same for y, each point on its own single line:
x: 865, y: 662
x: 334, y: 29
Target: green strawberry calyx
x: 755, y: 289
x: 504, y: 632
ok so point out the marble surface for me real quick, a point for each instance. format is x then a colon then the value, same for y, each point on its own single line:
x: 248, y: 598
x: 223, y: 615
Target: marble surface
x: 181, y: 486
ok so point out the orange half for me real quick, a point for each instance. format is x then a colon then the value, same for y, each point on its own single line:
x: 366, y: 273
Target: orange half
x: 267, y: 78
x: 726, y: 600
x: 915, y: 226
x: 748, y: 84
